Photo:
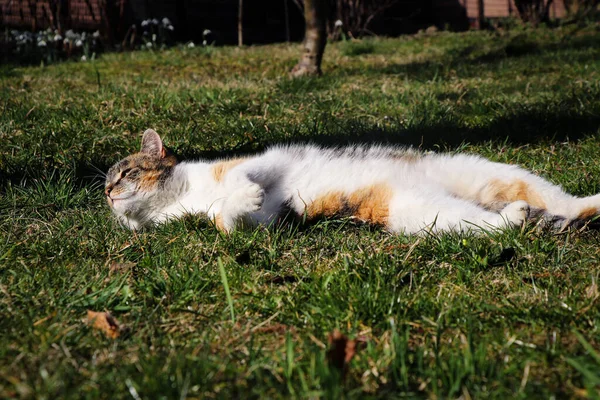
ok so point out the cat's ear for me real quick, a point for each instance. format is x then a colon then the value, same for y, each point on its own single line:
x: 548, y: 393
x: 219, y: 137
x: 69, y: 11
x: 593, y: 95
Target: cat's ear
x: 152, y: 145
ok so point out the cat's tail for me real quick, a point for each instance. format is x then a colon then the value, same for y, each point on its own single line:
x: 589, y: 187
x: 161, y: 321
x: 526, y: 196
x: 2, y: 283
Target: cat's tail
x: 583, y: 215
x: 586, y: 207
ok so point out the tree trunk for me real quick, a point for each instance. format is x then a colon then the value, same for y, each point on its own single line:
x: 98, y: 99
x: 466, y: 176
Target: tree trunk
x: 480, y: 14
x: 315, y: 38
x: 546, y: 14
x: 240, y: 23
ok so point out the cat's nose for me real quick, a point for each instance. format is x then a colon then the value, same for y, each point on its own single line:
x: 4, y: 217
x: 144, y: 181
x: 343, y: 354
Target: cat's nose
x: 108, y: 190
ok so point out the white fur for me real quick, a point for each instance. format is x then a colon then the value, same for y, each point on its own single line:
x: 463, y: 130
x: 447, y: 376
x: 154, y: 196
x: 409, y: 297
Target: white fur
x: 432, y: 192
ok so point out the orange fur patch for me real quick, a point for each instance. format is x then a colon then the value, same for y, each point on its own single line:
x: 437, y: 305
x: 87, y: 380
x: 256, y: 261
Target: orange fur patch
x: 149, y: 180
x: 369, y: 204
x: 220, y: 169
x: 500, y: 191
x: 327, y: 205
x: 372, y: 203
x: 588, y: 213
x: 219, y: 223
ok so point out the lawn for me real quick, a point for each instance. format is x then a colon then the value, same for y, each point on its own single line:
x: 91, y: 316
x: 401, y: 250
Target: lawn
x: 512, y: 314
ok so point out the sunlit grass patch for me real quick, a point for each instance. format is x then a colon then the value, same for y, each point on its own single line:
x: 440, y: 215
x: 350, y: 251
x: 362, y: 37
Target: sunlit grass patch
x: 510, y: 314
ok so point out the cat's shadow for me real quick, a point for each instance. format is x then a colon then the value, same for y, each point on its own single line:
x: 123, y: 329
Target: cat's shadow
x: 527, y: 127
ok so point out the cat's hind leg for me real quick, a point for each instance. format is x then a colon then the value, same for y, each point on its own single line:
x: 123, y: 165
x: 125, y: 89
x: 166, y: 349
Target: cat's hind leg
x: 414, y: 211
x: 495, y: 185
x: 549, y: 203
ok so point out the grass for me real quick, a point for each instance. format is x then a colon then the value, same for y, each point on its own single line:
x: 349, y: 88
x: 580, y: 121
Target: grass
x: 509, y: 315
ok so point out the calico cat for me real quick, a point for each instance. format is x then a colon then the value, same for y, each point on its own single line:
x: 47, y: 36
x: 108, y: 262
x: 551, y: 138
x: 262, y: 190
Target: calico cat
x: 400, y: 189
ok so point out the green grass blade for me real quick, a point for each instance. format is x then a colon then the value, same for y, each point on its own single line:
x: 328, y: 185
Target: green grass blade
x: 587, y: 346
x: 226, y: 287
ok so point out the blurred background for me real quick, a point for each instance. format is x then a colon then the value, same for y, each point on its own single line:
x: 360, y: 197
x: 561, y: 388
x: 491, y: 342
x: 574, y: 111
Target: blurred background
x: 61, y: 28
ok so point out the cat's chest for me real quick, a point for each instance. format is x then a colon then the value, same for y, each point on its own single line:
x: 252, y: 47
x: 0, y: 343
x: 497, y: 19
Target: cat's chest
x: 202, y: 193
x: 206, y: 199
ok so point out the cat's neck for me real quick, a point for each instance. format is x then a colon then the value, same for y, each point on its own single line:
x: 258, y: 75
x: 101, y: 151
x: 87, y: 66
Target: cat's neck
x: 176, y: 186
x: 183, y: 180
x: 189, y: 189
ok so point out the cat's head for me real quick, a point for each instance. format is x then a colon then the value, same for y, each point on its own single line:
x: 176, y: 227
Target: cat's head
x: 134, y: 184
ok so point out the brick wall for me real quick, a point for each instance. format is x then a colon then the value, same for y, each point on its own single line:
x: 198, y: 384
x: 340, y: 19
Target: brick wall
x: 506, y: 8
x: 34, y: 14
x: 263, y: 19
x: 86, y: 14
x: 41, y: 14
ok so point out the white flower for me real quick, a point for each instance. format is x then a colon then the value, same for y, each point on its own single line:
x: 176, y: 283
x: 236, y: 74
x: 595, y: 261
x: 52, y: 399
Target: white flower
x: 206, y: 32
x: 170, y: 27
x: 83, y: 58
x: 204, y: 43
x: 154, y: 21
x: 145, y: 22
x: 79, y: 43
x: 339, y: 23
x: 57, y: 38
x: 166, y: 21
x: 149, y: 44
x: 70, y: 34
x: 154, y: 37
x: 191, y: 45
x: 42, y: 43
x: 96, y: 34
x: 66, y: 41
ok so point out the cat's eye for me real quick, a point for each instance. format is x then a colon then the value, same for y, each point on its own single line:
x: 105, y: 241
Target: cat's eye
x: 127, y: 171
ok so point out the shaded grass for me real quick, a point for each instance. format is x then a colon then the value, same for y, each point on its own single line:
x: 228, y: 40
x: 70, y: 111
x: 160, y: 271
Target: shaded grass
x: 449, y: 316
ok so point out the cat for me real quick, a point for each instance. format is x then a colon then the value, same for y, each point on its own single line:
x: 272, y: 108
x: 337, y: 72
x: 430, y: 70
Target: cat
x: 402, y: 190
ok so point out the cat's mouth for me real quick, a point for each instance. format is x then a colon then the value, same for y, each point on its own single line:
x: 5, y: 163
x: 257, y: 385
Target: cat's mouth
x: 113, y: 200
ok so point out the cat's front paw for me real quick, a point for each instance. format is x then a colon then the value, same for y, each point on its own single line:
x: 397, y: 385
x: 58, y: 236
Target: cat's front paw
x: 248, y: 198
x: 516, y: 213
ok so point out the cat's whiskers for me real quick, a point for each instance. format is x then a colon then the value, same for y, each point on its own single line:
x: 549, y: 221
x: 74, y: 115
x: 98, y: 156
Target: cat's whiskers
x: 100, y: 173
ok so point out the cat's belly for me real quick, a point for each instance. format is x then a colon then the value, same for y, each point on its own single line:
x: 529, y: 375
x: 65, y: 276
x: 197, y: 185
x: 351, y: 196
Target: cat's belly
x: 363, y: 190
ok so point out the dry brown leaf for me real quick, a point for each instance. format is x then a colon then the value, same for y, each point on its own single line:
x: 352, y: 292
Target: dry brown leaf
x: 341, y: 349
x: 104, y: 322
x: 119, y: 268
